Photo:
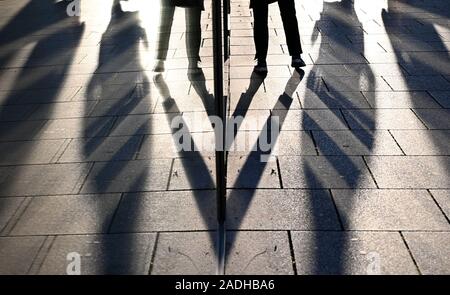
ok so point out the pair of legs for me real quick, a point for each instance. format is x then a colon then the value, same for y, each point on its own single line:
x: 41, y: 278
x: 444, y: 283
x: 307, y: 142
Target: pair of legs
x: 193, y: 34
x: 290, y: 25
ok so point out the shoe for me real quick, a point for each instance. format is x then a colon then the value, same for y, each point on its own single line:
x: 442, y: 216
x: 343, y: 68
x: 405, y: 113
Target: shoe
x: 261, y: 67
x: 159, y: 66
x: 298, y: 62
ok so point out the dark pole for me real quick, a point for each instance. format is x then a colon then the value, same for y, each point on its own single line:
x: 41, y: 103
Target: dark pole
x: 226, y: 29
x: 220, y: 153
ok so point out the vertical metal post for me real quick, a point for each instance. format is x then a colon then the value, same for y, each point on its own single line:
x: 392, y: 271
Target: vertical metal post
x: 226, y: 30
x: 220, y: 153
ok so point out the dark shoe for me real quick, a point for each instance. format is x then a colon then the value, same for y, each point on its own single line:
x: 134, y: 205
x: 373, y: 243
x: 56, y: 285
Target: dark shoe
x: 298, y: 62
x: 261, y: 67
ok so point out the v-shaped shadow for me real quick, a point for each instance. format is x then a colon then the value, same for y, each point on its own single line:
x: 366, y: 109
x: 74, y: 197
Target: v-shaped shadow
x: 256, y: 162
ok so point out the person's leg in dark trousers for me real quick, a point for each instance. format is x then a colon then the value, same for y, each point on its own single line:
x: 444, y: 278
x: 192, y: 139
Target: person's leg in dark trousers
x: 290, y: 25
x: 163, y: 39
x: 261, y: 34
x: 193, y: 35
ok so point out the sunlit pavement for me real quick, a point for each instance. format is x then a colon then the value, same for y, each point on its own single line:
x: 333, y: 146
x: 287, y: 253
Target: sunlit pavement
x: 358, y: 183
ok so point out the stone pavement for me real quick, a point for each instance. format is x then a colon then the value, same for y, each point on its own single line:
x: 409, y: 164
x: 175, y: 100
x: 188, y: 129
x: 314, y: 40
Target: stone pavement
x: 359, y: 182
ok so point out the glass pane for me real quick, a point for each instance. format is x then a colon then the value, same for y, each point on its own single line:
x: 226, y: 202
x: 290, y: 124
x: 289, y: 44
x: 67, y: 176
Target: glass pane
x: 118, y: 160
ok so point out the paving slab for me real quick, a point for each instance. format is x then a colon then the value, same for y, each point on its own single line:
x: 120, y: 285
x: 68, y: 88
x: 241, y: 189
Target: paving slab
x: 286, y: 209
x: 191, y: 173
x: 443, y: 97
x: 250, y: 120
x: 17, y: 254
x: 258, y: 170
x: 166, y: 146
x: 414, y: 83
x: 429, y: 251
x: 298, y: 81
x: 258, y: 253
x: 42, y: 179
x: 190, y: 253
x: 382, y: 57
x: 16, y: 131
x: 376, y: 69
x: 331, y: 58
x: 123, y: 107
x: 388, y: 210
x: 434, y: 118
x: 349, y: 84
x: 101, y: 149
x: 333, y: 100
x: 124, y: 254
x: 29, y: 152
x: 166, y: 211
x: 260, y: 101
x: 427, y: 63
x: 401, y: 100
x: 8, y: 207
x: 361, y: 253
x: 326, y: 69
x: 63, y: 110
x: 382, y: 119
x: 15, y: 112
x: 268, y: 254
x: 356, y: 142
x: 76, y: 128
x: 192, y: 102
x: 128, y: 176
x: 423, y: 142
x: 111, y: 91
x: 67, y: 215
x: 36, y: 96
x: 141, y: 125
x: 410, y: 171
x: 294, y: 143
x: 320, y: 172
x: 442, y: 197
x: 313, y: 120
x: 242, y: 143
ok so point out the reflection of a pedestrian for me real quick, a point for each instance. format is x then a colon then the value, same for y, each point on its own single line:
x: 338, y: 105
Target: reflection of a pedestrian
x: 193, y: 9
x: 261, y: 31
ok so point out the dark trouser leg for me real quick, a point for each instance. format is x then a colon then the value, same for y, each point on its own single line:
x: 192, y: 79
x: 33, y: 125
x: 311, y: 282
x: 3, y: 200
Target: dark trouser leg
x: 165, y: 28
x: 290, y: 24
x: 193, y: 33
x: 261, y: 30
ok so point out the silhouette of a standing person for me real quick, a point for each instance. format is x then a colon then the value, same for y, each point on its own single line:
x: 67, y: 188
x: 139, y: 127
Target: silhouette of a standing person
x: 193, y: 10
x: 261, y: 31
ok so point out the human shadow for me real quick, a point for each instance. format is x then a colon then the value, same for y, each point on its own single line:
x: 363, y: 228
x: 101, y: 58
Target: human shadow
x: 245, y: 100
x: 34, y: 23
x: 121, y: 88
x: 52, y: 38
x: 198, y: 173
x: 236, y: 119
x: 195, y: 159
x: 329, y: 254
x: 423, y: 54
x: 261, y: 152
